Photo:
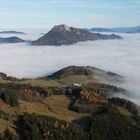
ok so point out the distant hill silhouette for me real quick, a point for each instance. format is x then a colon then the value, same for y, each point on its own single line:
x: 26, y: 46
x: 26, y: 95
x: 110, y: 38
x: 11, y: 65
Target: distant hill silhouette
x: 11, y: 32
x: 11, y: 40
x: 119, y: 29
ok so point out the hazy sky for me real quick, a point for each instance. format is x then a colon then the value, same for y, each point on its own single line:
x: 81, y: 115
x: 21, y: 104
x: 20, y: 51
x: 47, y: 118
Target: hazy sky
x: 79, y: 13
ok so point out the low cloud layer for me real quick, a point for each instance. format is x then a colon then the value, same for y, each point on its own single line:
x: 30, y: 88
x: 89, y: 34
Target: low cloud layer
x: 119, y: 56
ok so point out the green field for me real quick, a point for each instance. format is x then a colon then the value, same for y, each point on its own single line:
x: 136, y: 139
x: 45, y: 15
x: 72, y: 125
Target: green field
x: 40, y: 83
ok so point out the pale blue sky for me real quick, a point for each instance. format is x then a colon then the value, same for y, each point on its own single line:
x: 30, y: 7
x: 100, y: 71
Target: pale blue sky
x: 79, y: 13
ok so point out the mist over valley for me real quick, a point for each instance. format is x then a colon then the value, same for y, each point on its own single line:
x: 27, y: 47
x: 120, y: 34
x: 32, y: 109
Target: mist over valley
x: 23, y: 60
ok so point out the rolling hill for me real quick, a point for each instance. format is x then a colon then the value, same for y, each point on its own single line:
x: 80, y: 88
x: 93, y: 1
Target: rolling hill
x: 78, y: 107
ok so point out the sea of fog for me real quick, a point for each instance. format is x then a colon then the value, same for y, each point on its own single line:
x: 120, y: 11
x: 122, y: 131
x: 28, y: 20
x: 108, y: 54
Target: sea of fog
x: 119, y: 56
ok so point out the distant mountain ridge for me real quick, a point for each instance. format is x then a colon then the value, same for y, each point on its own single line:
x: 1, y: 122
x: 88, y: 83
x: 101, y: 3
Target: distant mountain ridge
x: 64, y: 35
x: 11, y: 32
x: 117, y: 29
x: 11, y: 40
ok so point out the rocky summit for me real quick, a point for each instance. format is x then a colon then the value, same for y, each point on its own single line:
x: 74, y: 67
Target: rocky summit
x: 64, y: 35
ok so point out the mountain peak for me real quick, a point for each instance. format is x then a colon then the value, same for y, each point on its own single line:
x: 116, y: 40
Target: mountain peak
x: 64, y: 35
x: 62, y: 27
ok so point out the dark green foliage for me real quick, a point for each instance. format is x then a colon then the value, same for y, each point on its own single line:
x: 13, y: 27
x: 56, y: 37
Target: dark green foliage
x: 29, y: 129
x: 9, y: 97
x: 107, y: 124
x: 133, y: 108
x: 33, y: 127
x: 104, y: 89
x: 4, y: 115
x: 113, y: 126
x: 80, y: 109
x: 7, y: 135
x: 43, y: 91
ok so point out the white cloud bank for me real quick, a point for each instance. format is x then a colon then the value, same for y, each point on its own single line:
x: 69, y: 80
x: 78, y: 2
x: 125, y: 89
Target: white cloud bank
x: 119, y: 56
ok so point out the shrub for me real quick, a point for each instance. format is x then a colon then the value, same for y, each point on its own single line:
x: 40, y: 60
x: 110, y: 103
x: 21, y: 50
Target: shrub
x: 9, y: 97
x: 7, y: 135
x: 34, y: 127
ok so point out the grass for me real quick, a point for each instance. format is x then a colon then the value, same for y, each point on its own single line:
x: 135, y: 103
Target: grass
x: 61, y: 82
x: 4, y: 124
x: 81, y: 79
x: 40, y: 83
x: 124, y: 111
x: 56, y: 106
x: 3, y: 81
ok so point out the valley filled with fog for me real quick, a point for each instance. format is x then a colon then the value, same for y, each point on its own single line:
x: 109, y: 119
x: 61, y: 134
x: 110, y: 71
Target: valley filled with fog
x: 119, y: 56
